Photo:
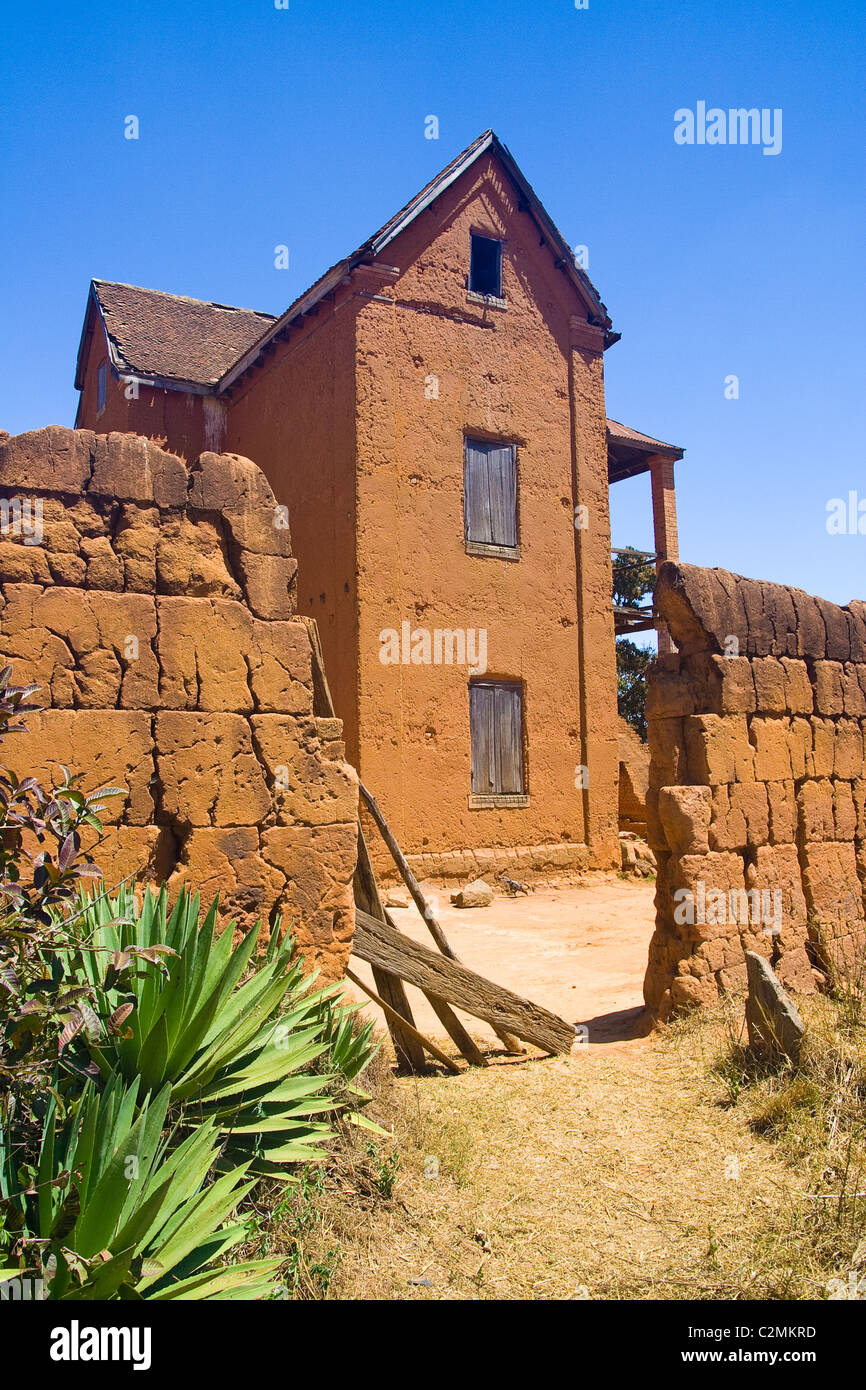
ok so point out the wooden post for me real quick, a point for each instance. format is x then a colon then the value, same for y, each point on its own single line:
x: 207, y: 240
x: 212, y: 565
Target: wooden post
x: 404, y: 1026
x: 408, y: 1050
x: 511, y: 1043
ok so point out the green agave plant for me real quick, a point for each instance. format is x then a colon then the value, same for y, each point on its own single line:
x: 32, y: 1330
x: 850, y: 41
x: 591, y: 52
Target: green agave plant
x: 231, y: 1041
x: 116, y: 1209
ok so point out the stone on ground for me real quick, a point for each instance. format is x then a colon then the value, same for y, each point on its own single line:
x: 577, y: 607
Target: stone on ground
x: 475, y: 894
x: 775, y: 1027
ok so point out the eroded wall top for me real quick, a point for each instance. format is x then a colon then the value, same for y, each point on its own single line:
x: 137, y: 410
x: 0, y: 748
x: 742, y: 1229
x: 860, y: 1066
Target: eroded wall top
x: 153, y: 603
x: 757, y: 799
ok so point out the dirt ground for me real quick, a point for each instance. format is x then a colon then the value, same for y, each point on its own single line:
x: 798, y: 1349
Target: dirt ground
x: 617, y: 1172
x: 624, y: 1170
x: 579, y: 949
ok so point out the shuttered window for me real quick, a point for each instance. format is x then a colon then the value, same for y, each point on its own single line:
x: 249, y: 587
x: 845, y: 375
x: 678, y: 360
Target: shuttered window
x: 496, y: 730
x: 485, y: 265
x: 490, y: 493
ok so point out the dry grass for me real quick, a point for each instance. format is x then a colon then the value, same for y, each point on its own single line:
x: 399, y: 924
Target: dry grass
x: 668, y: 1169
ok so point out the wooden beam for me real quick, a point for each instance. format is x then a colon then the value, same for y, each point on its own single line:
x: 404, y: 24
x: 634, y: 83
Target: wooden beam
x: 401, y: 1025
x: 455, y: 1030
x: 382, y: 945
x: 405, y: 1027
x: 426, y: 911
x: 406, y: 873
x: 410, y: 1054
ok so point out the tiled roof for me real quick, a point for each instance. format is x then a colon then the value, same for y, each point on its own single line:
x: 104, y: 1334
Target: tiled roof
x: 621, y: 434
x: 189, y: 341
x: 171, y: 336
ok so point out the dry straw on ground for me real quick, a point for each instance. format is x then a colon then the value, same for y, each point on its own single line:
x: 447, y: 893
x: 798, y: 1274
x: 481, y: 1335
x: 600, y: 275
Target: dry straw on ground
x: 666, y: 1169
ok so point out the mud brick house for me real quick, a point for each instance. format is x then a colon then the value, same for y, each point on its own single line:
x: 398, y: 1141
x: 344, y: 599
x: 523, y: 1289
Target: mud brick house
x: 432, y: 415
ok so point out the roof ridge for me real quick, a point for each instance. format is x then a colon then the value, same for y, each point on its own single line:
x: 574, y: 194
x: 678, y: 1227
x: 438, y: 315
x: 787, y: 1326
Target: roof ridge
x: 185, y: 298
x: 375, y: 244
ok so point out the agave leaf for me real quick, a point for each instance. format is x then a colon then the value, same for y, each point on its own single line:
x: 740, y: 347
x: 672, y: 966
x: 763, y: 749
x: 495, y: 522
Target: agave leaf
x: 271, y: 1064
x: 104, y: 1281
x: 278, y: 1124
x: 108, y: 1196
x: 201, y: 1214
x: 293, y: 1152
x: 154, y: 1055
x: 364, y: 1122
x: 251, y: 1280
x: 199, y: 1021
x: 48, y: 1196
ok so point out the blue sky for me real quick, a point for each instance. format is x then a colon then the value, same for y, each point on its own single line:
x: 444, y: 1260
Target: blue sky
x: 306, y: 126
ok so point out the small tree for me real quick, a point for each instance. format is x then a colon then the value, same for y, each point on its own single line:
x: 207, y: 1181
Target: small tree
x: 631, y: 668
x: 633, y: 578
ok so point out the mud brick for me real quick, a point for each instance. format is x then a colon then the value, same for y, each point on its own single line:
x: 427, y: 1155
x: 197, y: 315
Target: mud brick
x: 770, y: 685
x: 783, y: 812
x: 772, y: 741
x: 829, y: 687
x: 209, y: 772
x: 718, y: 748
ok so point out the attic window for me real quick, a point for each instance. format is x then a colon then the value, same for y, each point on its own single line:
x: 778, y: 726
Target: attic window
x: 101, y: 386
x: 485, y: 266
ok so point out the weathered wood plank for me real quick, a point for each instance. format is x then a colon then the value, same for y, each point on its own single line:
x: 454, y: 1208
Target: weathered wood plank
x: 398, y: 1012
x: 446, y: 1016
x: 383, y: 946
x: 410, y: 1054
x: 404, y: 1026
x: 406, y: 873
x: 456, y: 1032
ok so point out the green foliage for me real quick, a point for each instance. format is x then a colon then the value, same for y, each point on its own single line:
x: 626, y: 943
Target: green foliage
x: 386, y: 1169
x: 233, y: 1041
x: 633, y: 578
x: 115, y: 1207
x: 151, y: 1071
x: 632, y: 663
x: 42, y: 863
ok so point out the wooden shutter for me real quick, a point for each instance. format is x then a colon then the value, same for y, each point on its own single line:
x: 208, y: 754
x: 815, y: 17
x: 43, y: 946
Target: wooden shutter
x: 490, y: 492
x: 482, y: 738
x: 496, y: 734
x: 502, y: 476
x: 476, y: 493
x: 509, y: 738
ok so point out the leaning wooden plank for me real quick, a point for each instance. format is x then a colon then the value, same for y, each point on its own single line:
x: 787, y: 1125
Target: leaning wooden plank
x: 379, y: 944
x: 404, y: 1026
x: 456, y: 1032
x: 410, y: 1054
x: 323, y: 704
x: 426, y: 911
x: 407, y: 875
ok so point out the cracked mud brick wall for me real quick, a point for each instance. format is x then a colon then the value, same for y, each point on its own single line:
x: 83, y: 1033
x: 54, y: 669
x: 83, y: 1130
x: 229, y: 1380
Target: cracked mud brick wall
x: 157, y: 614
x: 757, y: 733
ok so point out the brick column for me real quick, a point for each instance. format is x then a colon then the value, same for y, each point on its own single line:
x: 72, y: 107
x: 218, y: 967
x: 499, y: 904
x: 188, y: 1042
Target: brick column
x: 664, y: 525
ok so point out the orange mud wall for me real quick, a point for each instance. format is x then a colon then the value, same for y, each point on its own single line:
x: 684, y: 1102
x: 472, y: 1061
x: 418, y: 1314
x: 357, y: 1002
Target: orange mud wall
x: 296, y: 416
x: 433, y: 365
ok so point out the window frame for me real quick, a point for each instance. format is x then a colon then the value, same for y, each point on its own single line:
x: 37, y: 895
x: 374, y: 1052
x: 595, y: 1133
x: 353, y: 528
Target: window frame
x: 101, y: 387
x: 498, y: 798
x: 504, y: 550
x: 486, y: 296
